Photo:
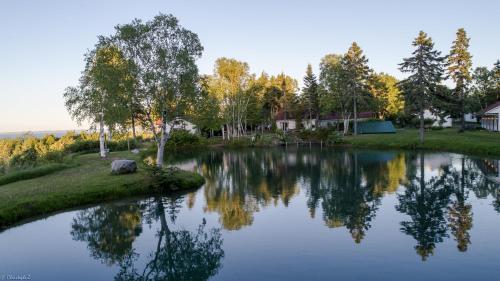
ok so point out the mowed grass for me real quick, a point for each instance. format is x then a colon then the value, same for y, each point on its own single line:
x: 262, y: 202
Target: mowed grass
x: 33, y: 172
x: 470, y: 142
x: 88, y: 182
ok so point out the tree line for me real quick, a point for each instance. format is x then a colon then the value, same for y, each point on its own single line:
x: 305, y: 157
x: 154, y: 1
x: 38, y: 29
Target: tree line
x: 145, y: 75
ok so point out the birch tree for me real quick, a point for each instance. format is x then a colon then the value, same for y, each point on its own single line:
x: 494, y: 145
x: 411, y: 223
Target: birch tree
x: 99, y: 98
x: 230, y: 84
x: 165, y: 54
x: 333, y: 85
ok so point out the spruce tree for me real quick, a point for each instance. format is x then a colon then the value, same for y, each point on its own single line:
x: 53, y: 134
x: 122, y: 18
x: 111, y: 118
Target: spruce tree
x: 357, y: 74
x: 426, y: 70
x: 459, y: 69
x: 310, y: 94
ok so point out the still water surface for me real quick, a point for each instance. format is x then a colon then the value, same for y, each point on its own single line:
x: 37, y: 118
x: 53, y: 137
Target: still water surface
x: 283, y: 214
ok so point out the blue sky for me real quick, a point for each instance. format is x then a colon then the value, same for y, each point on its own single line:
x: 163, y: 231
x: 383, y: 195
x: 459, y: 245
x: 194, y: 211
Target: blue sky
x: 43, y: 42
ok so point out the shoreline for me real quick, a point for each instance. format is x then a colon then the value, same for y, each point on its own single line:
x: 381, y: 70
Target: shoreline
x: 90, y: 182
x: 473, y: 143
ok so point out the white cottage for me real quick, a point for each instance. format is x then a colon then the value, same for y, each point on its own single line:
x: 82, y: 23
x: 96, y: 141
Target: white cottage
x: 489, y: 117
x: 445, y: 122
x: 179, y: 123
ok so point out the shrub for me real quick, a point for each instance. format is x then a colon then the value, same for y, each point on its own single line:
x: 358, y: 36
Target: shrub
x: 122, y: 145
x: 320, y: 134
x: 183, y: 138
x: 415, y: 122
x: 83, y: 146
x: 172, y: 178
x: 54, y: 156
x: 25, y: 159
x: 334, y: 138
x: 239, y: 142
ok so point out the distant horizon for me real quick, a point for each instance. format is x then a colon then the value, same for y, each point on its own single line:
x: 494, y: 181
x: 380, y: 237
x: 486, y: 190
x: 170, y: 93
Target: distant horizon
x: 37, y: 134
x: 46, y: 41
x: 37, y: 131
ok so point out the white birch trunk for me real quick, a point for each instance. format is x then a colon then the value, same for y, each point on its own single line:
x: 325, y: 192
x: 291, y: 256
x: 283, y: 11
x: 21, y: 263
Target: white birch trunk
x: 161, y: 144
x: 102, y: 148
x: 346, y: 125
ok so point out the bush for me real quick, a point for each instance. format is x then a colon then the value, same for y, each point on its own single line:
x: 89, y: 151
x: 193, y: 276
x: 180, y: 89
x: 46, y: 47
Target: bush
x: 334, y: 138
x: 415, y: 122
x: 83, y: 146
x: 239, y: 142
x: 25, y: 159
x: 54, y: 156
x: 122, y: 145
x: 172, y: 178
x: 320, y: 134
x: 183, y: 138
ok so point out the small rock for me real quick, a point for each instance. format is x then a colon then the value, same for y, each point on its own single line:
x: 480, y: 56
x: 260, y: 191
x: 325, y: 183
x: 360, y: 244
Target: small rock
x: 135, y: 151
x: 123, y: 167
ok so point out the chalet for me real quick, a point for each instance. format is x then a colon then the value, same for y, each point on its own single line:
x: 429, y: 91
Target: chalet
x: 288, y: 121
x: 178, y: 123
x: 445, y: 122
x: 489, y: 117
x: 334, y: 118
x: 285, y: 121
x: 490, y: 168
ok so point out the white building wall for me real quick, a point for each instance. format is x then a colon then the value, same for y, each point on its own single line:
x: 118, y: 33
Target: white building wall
x: 470, y: 117
x: 488, y: 124
x: 309, y: 124
x: 446, y: 122
x: 281, y: 124
x: 181, y: 124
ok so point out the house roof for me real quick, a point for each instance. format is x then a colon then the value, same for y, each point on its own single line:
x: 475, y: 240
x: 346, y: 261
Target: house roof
x: 281, y: 115
x: 489, y: 107
x: 330, y: 116
x: 176, y: 120
x: 338, y: 116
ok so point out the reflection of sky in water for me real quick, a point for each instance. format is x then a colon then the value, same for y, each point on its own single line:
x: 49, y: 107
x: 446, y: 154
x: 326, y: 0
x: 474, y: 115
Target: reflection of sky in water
x: 270, y: 231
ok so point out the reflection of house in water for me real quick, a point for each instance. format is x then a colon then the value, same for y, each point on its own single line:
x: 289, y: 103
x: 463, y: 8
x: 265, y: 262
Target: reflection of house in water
x: 491, y: 168
x: 434, y: 162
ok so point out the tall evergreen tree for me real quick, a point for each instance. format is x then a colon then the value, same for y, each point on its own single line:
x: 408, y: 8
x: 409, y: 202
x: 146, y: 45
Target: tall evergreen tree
x: 357, y: 74
x: 459, y: 69
x: 310, y: 94
x: 426, y: 70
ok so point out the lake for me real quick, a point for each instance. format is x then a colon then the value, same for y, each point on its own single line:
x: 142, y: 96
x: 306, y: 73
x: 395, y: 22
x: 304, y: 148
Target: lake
x: 282, y: 214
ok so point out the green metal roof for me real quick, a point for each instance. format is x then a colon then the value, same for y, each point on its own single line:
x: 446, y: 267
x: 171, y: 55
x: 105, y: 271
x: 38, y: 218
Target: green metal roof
x: 376, y: 127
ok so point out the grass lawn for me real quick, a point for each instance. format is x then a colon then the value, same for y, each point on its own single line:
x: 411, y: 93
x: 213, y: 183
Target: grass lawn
x: 88, y: 182
x: 470, y: 142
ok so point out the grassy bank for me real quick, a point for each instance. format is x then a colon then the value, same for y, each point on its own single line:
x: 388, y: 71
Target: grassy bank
x: 33, y: 172
x: 470, y: 142
x: 88, y: 182
x: 476, y: 142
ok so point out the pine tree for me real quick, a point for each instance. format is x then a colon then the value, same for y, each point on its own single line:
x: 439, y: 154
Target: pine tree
x: 357, y: 74
x: 310, y: 94
x: 426, y: 71
x: 459, y: 69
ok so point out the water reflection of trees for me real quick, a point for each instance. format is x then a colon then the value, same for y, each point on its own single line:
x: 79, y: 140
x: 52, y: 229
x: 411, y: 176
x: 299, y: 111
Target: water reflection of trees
x: 438, y: 204
x: 424, y: 201
x: 347, y: 185
x: 110, y: 230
